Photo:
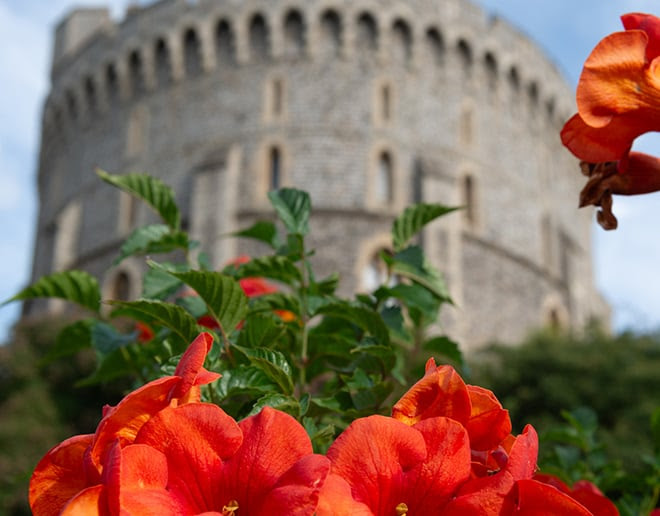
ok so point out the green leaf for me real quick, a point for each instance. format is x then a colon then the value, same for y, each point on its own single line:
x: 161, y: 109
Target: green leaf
x: 413, y: 219
x: 275, y: 267
x: 75, y: 286
x: 410, y: 264
x: 114, y: 365
x: 160, y: 284
x: 384, y: 354
x: 393, y: 318
x: 71, y: 339
x: 151, y: 190
x: 446, y: 347
x: 262, y: 231
x: 244, y: 379
x: 106, y: 339
x: 171, y: 316
x: 416, y: 297
x: 222, y: 294
x: 260, y: 332
x: 272, y: 363
x: 364, y: 318
x: 281, y: 402
x: 293, y: 207
x: 153, y: 239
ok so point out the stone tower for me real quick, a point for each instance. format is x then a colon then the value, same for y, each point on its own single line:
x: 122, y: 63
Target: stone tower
x: 369, y: 105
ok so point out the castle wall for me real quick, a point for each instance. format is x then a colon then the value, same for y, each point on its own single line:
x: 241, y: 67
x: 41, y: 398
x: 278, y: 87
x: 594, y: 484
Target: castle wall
x: 456, y: 107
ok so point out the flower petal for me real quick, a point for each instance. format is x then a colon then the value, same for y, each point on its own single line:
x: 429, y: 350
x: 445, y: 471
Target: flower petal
x: 190, y: 368
x: 523, y: 455
x: 489, y: 423
x: 649, y: 24
x: 595, y: 145
x: 593, y: 499
x: 441, y: 392
x: 59, y: 476
x: 90, y: 501
x: 297, y: 491
x: 539, y: 499
x: 196, y: 438
x: 372, y: 455
x: 272, y: 443
x: 336, y: 499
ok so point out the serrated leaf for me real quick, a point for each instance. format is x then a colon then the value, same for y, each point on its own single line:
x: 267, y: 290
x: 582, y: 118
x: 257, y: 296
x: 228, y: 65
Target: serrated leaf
x: 244, y: 379
x: 151, y: 190
x: 293, y: 207
x: 171, y: 316
x: 153, y: 239
x: 410, y: 264
x: 444, y: 346
x: 384, y: 354
x: 281, y: 402
x: 274, y: 267
x: 262, y: 231
x: 260, y: 331
x: 413, y: 219
x: 222, y: 294
x: 160, y: 284
x: 416, y: 297
x: 393, y: 318
x: 75, y: 286
x: 70, y: 340
x: 273, y: 363
x: 364, y: 318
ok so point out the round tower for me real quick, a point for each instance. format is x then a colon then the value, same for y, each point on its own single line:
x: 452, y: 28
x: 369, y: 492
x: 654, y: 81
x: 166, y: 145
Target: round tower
x: 368, y: 105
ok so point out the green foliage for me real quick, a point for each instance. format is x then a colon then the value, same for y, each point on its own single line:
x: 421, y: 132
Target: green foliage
x: 413, y: 220
x: 594, y: 400
x: 74, y: 286
x: 154, y: 192
x: 153, y: 239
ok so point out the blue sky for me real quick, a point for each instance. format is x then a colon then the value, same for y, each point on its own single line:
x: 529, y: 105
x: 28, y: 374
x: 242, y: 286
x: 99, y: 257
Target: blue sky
x: 626, y: 260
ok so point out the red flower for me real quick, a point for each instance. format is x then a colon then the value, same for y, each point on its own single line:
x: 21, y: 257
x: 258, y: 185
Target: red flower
x: 79, y: 461
x: 584, y: 492
x: 618, y: 98
x: 195, y: 459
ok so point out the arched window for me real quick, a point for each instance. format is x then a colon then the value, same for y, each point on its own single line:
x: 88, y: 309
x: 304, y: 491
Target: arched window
x: 386, y: 102
x: 466, y: 125
x: 192, y: 53
x: 136, y: 73
x: 72, y: 105
x: 274, y: 99
x: 514, y: 79
x: 138, y: 131
x: 294, y: 34
x: 111, y: 83
x: 274, y: 168
x: 469, y: 199
x: 373, y: 274
x: 224, y: 43
x: 330, y: 33
x: 259, y: 38
x: 384, y: 184
x: 464, y: 55
x: 402, y: 41
x: 490, y: 65
x: 547, y: 251
x: 367, y: 33
x: 435, y: 46
x: 90, y: 95
x: 121, y: 287
x: 162, y: 62
x: 533, y: 92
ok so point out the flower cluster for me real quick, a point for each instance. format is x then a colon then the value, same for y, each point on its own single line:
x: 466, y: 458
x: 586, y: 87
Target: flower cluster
x: 618, y: 99
x: 446, y: 449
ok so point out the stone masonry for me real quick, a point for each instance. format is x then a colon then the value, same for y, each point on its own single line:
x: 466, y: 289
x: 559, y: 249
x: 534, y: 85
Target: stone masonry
x: 369, y: 105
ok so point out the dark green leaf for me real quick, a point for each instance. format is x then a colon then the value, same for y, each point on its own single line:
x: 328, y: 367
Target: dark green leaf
x: 106, y: 339
x: 263, y: 231
x: 393, y: 318
x: 413, y: 219
x: 445, y: 347
x: 153, y: 239
x: 273, y: 363
x: 71, y: 339
x: 384, y: 354
x: 293, y: 207
x: 171, y: 316
x: 160, y: 284
x: 260, y: 332
x: 151, y: 190
x: 75, y: 286
x: 275, y: 267
x: 244, y: 379
x: 417, y: 297
x: 114, y: 365
x: 222, y: 294
x: 281, y: 402
x: 410, y: 263
x: 364, y: 318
